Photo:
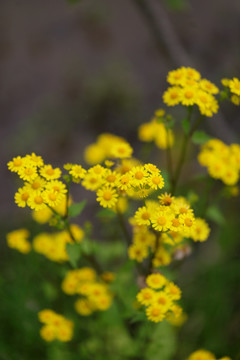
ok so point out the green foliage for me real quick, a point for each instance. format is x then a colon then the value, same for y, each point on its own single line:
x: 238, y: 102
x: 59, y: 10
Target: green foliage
x: 76, y: 208
x: 74, y: 252
x: 200, y: 137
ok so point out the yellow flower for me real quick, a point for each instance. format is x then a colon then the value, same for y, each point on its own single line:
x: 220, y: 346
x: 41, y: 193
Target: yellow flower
x: 235, y: 99
x: 138, y: 174
x: 146, y: 132
x: 163, y: 299
x: 77, y: 172
x: 188, y: 96
x: 234, y: 86
x: 172, y: 96
x: 92, y: 181
x: 22, y: 196
x: 28, y: 172
x: 208, y: 86
x: 156, y: 281
x: 16, y: 164
x: 111, y: 177
x: 142, y: 216
x: 201, y: 230
x: 107, y: 196
x: 94, y: 154
x: 137, y: 252
x: 201, y: 355
x: 36, y: 201
x: 162, y: 220
x: 84, y: 307
x: 176, y: 77
x: 17, y: 239
x: 35, y: 159
x: 145, y: 296
x: 121, y: 150
x: 124, y: 182
x: 52, y: 198
x: 173, y: 291
x: 37, y: 184
x: 49, y: 173
x: 42, y: 216
x: 155, y: 181
x: 155, y: 313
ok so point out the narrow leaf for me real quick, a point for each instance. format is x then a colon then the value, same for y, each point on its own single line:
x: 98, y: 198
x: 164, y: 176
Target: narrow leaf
x: 77, y: 208
x: 213, y: 213
x: 74, y: 252
x: 200, y: 137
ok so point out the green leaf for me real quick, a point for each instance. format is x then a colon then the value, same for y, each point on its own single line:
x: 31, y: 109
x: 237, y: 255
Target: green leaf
x: 74, y: 252
x: 76, y: 209
x: 213, y: 213
x: 200, y: 137
x: 186, y: 126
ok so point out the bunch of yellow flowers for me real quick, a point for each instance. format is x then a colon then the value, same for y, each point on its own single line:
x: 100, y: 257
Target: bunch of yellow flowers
x: 205, y: 355
x: 94, y: 292
x: 222, y: 161
x: 17, y: 239
x: 188, y: 88
x: 107, y: 146
x: 53, y: 245
x: 155, y: 130
x: 41, y: 188
x: 233, y: 86
x: 55, y: 326
x: 159, y: 298
x: 133, y: 181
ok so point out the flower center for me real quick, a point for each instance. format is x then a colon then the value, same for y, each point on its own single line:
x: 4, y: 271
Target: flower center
x: 38, y: 200
x: 35, y: 185
x: 24, y: 196
x: 175, y: 222
x: 17, y: 162
x: 50, y: 171
x: 174, y: 95
x: 161, y: 220
x: 111, y: 178
x: 156, y: 180
x: 52, y: 196
x: 145, y: 216
x: 188, y: 222
x: 188, y: 94
x: 139, y: 175
x: 155, y: 312
x: 107, y: 195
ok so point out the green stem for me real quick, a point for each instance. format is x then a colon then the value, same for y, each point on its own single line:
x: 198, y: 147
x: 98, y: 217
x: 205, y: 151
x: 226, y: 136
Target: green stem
x: 127, y: 236
x: 90, y: 258
x: 187, y: 137
x: 169, y: 158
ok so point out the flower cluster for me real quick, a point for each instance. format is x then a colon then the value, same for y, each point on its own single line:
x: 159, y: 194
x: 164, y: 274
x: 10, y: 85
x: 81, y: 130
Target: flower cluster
x: 126, y: 179
x: 41, y: 185
x: 17, y: 239
x: 159, y: 298
x: 55, y: 326
x: 107, y: 146
x: 53, y: 245
x: 161, y: 227
x: 94, y: 292
x: 233, y: 86
x: 205, y: 355
x: 188, y: 88
x: 156, y: 131
x: 222, y: 161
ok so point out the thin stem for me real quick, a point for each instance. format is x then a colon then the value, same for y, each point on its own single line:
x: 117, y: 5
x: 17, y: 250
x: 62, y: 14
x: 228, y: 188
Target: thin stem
x: 149, y: 268
x: 187, y: 137
x: 89, y: 257
x: 169, y: 158
x: 127, y: 236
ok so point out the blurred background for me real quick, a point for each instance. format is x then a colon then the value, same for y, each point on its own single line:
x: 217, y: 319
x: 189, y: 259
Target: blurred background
x: 73, y: 69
